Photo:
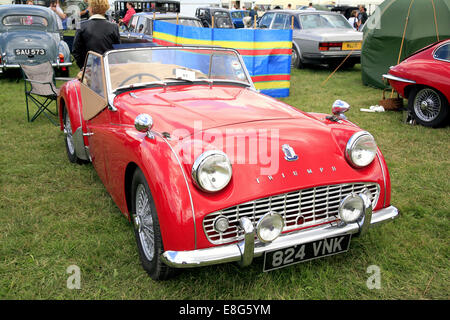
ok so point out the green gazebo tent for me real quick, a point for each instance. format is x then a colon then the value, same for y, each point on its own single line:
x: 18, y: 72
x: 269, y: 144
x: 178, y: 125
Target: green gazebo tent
x: 419, y: 22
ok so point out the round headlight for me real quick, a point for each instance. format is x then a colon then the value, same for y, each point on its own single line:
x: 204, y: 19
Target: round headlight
x: 221, y: 224
x: 269, y: 227
x: 351, y: 208
x: 212, y: 171
x: 361, y: 149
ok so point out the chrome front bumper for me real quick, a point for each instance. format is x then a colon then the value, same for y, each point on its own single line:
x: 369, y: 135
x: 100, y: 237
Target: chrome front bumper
x: 15, y: 66
x: 244, y: 251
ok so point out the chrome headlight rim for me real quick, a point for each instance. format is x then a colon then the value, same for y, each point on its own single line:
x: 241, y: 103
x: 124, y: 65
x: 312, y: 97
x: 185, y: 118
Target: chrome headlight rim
x: 221, y: 223
x: 198, y: 165
x: 352, y: 142
x: 269, y: 215
x: 345, y: 201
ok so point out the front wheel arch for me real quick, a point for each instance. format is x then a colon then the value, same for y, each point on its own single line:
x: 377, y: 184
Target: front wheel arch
x: 129, y: 172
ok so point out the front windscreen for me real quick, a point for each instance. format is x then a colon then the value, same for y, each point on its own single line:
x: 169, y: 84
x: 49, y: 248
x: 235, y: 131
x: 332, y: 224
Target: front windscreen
x: 313, y: 21
x: 132, y: 68
x: 24, y: 20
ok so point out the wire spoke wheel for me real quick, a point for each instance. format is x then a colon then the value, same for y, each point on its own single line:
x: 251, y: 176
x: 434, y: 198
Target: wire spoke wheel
x: 147, y: 230
x: 68, y: 133
x: 144, y: 222
x: 427, y: 105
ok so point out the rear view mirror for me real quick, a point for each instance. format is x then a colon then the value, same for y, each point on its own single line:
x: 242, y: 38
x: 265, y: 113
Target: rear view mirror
x: 339, y: 108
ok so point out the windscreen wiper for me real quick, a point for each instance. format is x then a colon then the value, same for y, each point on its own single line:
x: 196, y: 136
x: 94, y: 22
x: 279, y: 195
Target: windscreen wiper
x: 182, y: 79
x: 140, y: 85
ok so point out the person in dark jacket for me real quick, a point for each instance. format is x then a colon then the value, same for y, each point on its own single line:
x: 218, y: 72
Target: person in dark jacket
x: 96, y: 34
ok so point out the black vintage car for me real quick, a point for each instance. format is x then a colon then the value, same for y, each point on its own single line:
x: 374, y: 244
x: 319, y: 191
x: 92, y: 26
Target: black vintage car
x: 222, y: 17
x: 140, y: 27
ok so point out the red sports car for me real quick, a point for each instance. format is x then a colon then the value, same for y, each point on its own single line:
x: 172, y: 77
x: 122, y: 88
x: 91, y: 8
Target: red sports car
x: 211, y: 171
x: 424, y: 79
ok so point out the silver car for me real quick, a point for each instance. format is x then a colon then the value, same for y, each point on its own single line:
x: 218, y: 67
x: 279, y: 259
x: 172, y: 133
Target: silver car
x: 29, y: 35
x: 319, y: 37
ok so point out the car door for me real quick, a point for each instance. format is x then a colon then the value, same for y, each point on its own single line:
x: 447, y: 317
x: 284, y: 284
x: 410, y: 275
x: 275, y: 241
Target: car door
x: 95, y: 113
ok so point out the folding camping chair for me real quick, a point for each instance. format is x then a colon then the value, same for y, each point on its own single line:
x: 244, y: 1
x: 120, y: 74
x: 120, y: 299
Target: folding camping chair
x: 40, y: 89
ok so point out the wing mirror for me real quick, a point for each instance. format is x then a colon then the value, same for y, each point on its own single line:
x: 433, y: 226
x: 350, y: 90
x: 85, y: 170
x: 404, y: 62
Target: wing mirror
x: 144, y: 123
x: 339, y: 108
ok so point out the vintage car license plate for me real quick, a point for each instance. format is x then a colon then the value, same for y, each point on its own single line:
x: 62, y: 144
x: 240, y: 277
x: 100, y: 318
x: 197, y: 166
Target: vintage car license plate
x: 351, y: 45
x: 307, y: 251
x: 29, y: 52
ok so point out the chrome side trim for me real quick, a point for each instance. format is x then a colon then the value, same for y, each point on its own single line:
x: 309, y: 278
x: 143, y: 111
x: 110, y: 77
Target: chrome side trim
x: 391, y: 77
x: 384, y: 178
x: 232, y: 252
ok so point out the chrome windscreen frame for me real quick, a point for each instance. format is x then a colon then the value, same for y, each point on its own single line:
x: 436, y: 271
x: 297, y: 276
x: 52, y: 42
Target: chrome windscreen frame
x: 111, y: 95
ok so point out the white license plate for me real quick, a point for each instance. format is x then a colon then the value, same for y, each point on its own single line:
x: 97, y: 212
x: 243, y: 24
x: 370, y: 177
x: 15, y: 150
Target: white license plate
x: 29, y: 52
x: 306, y: 251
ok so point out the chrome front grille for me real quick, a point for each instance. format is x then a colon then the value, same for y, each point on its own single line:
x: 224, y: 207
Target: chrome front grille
x: 300, y: 209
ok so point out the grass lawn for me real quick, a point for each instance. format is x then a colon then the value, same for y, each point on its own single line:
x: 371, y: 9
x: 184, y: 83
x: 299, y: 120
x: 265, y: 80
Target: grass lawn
x: 54, y: 214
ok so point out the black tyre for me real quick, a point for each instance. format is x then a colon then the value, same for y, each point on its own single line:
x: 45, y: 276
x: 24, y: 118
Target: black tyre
x: 348, y: 64
x: 68, y: 138
x: 147, y: 230
x: 428, y: 106
x: 296, y: 59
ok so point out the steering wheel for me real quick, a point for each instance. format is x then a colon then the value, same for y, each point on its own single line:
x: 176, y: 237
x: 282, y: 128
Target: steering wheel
x: 123, y: 27
x: 138, y: 75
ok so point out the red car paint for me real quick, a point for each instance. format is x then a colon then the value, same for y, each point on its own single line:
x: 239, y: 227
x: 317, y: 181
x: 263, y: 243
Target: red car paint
x: 116, y: 148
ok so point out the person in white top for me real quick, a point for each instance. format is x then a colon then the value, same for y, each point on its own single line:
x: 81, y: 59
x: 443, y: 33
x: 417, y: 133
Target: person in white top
x: 54, y: 5
x: 353, y: 20
x: 310, y: 7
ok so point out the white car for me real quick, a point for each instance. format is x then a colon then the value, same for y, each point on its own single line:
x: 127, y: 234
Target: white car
x: 319, y: 37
